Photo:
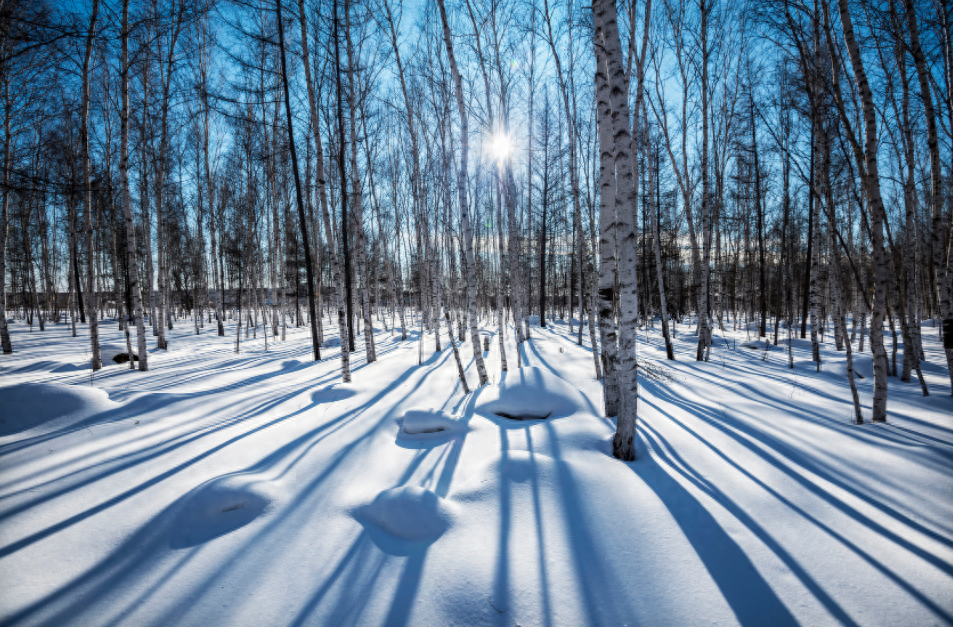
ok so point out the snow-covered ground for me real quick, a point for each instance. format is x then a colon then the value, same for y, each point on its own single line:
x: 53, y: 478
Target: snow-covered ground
x: 256, y: 489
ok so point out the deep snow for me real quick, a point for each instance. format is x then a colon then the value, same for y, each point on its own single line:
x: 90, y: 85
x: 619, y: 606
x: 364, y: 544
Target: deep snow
x: 255, y: 489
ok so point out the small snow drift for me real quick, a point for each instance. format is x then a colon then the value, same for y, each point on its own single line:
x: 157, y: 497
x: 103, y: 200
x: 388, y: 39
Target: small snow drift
x: 530, y: 394
x: 407, y: 513
x: 29, y: 405
x: 430, y: 421
x: 218, y: 507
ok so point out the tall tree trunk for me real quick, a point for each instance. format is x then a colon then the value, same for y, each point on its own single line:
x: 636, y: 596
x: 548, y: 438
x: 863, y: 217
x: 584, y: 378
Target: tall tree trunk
x: 348, y: 337
x: 464, y: 208
x: 615, y: 156
x: 96, y: 361
x: 357, y: 204
x: 939, y: 233
x: 877, y: 216
x: 704, y: 328
x: 164, y: 300
x: 302, y: 220
x: 5, y: 215
x: 654, y: 209
x: 133, y: 269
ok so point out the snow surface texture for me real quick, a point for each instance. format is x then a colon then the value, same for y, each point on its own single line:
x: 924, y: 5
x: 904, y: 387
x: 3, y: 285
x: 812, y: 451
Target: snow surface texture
x: 223, y: 489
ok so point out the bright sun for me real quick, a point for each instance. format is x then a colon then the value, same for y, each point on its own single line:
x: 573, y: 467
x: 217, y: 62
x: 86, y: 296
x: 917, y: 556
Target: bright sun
x: 501, y: 146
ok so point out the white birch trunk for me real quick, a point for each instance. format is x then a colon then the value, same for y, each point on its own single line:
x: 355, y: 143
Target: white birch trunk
x: 464, y: 208
x: 126, y: 199
x: 609, y: 60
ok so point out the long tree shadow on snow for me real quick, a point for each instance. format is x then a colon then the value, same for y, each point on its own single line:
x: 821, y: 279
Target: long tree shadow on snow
x: 749, y: 595
x: 144, y: 405
x: 145, y: 553
x: 776, y: 452
x: 669, y: 456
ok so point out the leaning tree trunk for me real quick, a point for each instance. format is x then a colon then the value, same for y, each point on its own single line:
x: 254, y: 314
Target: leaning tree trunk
x: 877, y: 215
x: 464, y: 208
x: 302, y: 222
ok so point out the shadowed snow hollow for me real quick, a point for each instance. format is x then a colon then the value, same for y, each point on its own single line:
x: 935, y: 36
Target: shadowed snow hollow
x: 30, y: 405
x: 530, y: 394
x: 218, y: 507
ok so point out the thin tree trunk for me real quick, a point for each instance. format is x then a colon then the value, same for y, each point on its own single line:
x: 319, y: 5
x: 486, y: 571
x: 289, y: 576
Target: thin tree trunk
x: 96, y: 361
x: 939, y: 232
x: 132, y: 270
x: 302, y: 221
x: 357, y: 204
x: 877, y: 216
x: 464, y: 208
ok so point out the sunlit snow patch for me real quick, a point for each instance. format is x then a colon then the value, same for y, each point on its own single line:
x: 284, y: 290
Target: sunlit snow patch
x: 218, y: 507
x: 530, y: 394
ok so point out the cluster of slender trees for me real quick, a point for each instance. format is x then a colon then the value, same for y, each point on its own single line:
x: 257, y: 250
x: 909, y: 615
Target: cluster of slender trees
x: 785, y: 165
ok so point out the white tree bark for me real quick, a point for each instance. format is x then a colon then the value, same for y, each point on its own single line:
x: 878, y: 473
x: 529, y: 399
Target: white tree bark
x: 939, y: 233
x: 464, y: 208
x: 133, y: 269
x: 357, y: 197
x: 877, y: 216
x: 340, y: 301
x: 610, y: 80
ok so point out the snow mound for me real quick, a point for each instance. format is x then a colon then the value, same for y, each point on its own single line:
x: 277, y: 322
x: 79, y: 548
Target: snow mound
x: 407, y: 513
x: 429, y: 422
x: 530, y: 394
x: 29, y: 405
x: 218, y: 507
